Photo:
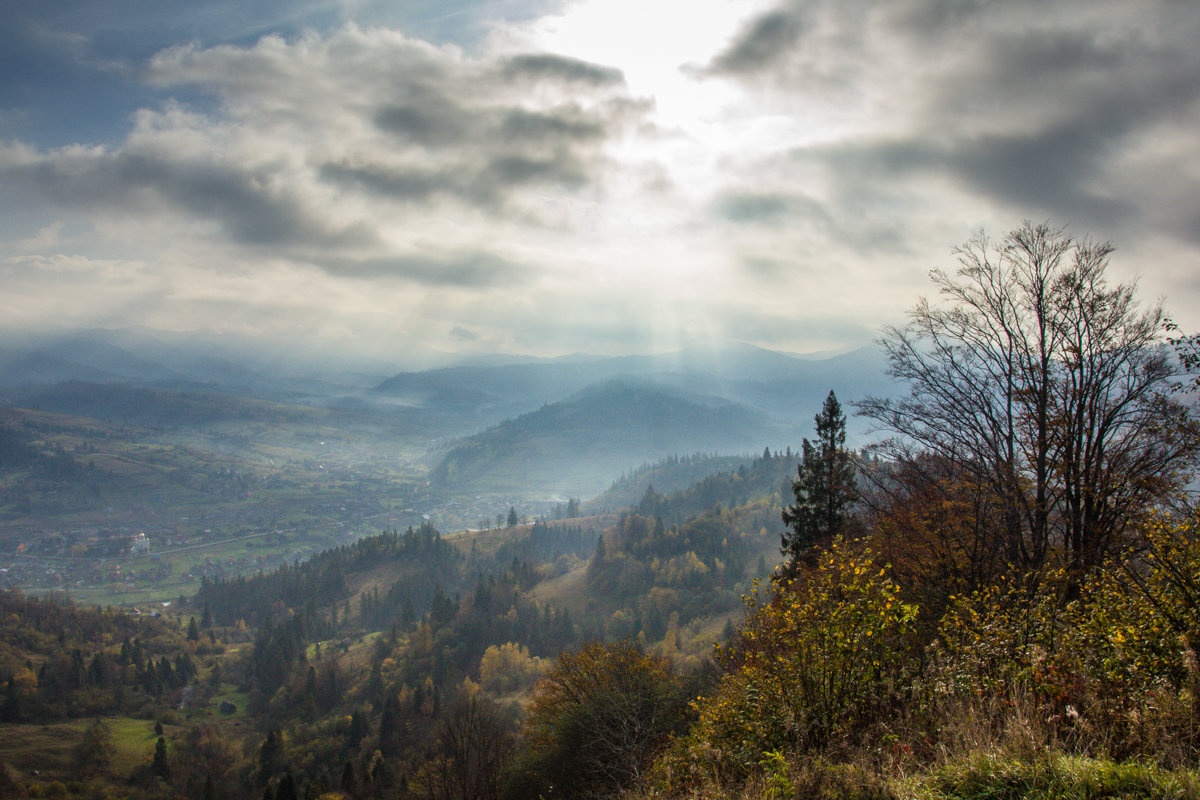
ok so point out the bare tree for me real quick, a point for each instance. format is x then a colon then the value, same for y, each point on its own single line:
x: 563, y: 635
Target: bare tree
x: 1047, y: 386
x: 472, y: 746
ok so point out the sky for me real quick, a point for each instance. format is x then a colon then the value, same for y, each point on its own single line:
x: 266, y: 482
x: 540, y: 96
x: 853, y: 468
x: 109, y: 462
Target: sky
x: 556, y: 176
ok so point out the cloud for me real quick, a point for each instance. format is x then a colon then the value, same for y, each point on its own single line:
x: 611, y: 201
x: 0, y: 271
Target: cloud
x: 431, y: 266
x: 45, y: 237
x: 765, y: 41
x: 134, y: 180
x: 325, y: 150
x: 547, y: 66
x: 567, y: 170
x: 1064, y: 110
x: 768, y: 208
x: 464, y: 334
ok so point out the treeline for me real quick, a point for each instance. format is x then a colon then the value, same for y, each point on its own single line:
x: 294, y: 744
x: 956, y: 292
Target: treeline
x: 543, y: 543
x: 696, y: 569
x: 318, y: 584
x: 420, y: 682
x: 670, y: 474
x: 54, y: 663
x: 766, y: 476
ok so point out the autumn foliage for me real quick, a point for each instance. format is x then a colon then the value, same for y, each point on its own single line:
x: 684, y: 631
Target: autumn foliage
x: 813, y: 663
x: 596, y: 719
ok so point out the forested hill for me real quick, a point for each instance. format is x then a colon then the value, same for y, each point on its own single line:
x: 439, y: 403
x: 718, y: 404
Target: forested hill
x: 348, y: 669
x: 420, y: 560
x: 677, y: 488
x: 666, y: 475
x: 576, y: 446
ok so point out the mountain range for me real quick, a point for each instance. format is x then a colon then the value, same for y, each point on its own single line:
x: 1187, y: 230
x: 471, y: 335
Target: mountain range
x: 567, y: 425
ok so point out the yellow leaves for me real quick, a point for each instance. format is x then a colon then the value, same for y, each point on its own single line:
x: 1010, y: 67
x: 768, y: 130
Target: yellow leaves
x: 812, y: 660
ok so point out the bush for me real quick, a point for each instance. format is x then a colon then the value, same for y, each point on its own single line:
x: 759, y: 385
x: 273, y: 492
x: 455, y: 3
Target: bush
x: 597, y: 717
x: 1102, y: 663
x: 815, y: 662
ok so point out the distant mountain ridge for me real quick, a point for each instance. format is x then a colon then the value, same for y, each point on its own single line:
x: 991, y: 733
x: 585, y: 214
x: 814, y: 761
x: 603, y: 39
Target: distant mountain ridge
x: 729, y: 400
x: 788, y: 388
x: 575, y: 446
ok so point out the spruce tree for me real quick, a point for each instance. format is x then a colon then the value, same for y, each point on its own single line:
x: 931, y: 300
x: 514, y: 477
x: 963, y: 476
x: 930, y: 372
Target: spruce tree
x: 159, y: 764
x: 824, y: 485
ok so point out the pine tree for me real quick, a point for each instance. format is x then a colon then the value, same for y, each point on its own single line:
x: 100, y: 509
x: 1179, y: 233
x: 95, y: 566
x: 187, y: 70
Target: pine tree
x: 824, y: 485
x: 159, y: 764
x: 286, y: 788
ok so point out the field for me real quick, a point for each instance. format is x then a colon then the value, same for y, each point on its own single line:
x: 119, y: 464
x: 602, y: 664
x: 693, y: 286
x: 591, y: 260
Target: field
x: 52, y: 748
x: 112, y: 513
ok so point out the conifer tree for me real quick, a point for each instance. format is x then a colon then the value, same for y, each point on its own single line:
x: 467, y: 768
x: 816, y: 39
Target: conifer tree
x: 824, y: 485
x: 159, y: 764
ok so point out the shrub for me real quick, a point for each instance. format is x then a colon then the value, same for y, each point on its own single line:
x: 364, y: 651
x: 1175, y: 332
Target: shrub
x: 814, y: 662
x: 597, y: 717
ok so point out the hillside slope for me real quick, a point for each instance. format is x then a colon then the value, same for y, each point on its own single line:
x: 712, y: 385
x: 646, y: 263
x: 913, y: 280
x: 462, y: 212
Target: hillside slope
x: 576, y: 447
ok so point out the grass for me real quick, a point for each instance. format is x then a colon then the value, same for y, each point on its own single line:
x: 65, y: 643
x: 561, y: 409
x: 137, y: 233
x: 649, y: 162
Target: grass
x: 982, y: 776
x: 50, y: 749
x: 975, y: 776
x: 133, y: 740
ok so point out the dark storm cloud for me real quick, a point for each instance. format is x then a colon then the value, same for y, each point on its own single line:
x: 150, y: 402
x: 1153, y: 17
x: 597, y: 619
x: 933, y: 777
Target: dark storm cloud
x: 511, y: 171
x: 486, y: 184
x: 414, y: 123
x: 441, y: 124
x: 411, y: 186
x: 566, y: 124
x: 483, y: 151
x: 1051, y: 171
x: 765, y: 41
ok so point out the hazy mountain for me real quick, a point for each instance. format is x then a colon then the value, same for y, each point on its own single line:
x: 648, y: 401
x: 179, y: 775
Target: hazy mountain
x: 787, y: 388
x: 182, y: 360
x: 30, y: 368
x: 578, y: 446
x: 459, y: 400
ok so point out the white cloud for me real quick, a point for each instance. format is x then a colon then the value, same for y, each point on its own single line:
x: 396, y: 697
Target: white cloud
x: 619, y: 175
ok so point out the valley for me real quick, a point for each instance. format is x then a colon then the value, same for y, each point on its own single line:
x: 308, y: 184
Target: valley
x: 126, y: 481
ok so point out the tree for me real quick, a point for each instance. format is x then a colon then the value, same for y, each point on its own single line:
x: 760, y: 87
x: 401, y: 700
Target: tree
x: 159, y: 763
x: 824, y: 485
x: 470, y: 748
x: 935, y: 526
x: 94, y: 753
x: 512, y: 517
x: 596, y: 719
x: 1045, y: 386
